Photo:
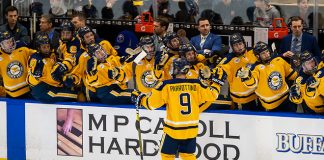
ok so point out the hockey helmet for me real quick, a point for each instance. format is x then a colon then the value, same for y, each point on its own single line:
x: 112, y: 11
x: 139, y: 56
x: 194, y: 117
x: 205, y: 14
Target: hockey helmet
x: 180, y: 66
x: 259, y: 51
x: 309, y: 62
x: 97, y: 51
x: 43, y: 44
x: 7, y: 42
x: 67, y: 30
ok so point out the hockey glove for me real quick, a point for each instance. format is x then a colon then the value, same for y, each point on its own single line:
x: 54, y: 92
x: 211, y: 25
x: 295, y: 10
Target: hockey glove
x: 58, y: 71
x: 219, y: 76
x: 139, y: 100
x: 294, y: 94
x: 114, y: 73
x: 92, y: 66
x: 134, y: 96
x: 204, y: 73
x: 38, y: 69
x: 160, y: 60
x: 312, y: 82
x: 244, y: 73
x: 207, y: 54
x: 68, y: 81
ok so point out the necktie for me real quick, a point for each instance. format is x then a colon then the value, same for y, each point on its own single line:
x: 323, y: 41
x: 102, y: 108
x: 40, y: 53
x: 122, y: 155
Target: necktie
x: 294, y: 47
x: 202, y: 42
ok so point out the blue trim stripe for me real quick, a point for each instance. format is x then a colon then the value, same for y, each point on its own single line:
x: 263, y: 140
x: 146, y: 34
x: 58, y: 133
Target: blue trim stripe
x: 16, y: 141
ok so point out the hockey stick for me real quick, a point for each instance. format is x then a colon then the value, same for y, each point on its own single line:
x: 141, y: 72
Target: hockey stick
x: 133, y: 52
x: 138, y: 124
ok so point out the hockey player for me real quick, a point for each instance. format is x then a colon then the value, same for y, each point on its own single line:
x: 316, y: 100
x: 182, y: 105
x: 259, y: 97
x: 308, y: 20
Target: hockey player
x: 87, y: 36
x: 164, y: 59
x: 188, y: 52
x: 243, y: 97
x: 141, y: 73
x: 100, y: 67
x: 308, y: 87
x: 268, y: 78
x: 195, y: 60
x: 77, y: 76
x: 69, y: 47
x: 40, y: 64
x: 13, y: 66
x: 182, y: 98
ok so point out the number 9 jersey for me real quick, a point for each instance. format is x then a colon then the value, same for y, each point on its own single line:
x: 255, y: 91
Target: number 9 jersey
x: 183, y: 98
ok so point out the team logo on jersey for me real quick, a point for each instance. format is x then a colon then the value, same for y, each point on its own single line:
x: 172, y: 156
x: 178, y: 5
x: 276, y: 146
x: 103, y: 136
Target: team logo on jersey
x: 15, y: 69
x: 1, y: 58
x: 261, y: 66
x: 275, y: 80
x: 73, y: 49
x: 189, y: 73
x: 236, y: 60
x: 120, y: 38
x: 148, y: 80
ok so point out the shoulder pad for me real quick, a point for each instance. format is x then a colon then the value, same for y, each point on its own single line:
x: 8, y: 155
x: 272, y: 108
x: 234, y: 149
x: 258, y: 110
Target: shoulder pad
x: 36, y: 56
x: 320, y: 73
x: 159, y: 86
x: 227, y: 58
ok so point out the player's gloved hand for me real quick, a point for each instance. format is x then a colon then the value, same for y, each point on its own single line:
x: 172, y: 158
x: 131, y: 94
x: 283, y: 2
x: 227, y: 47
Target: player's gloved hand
x: 218, y: 76
x: 58, y: 71
x: 208, y: 53
x: 114, y: 73
x: 312, y: 82
x: 38, y: 69
x: 92, y: 66
x: 244, y: 73
x: 216, y: 59
x: 131, y: 55
x: 160, y: 60
x: 68, y: 81
x: 139, y: 99
x: 294, y: 93
x: 204, y: 73
x: 134, y: 96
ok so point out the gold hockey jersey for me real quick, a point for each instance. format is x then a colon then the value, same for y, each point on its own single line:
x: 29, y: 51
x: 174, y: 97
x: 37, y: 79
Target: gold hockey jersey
x: 270, y: 83
x: 313, y: 97
x: 68, y: 52
x: 13, y: 69
x: 164, y: 73
x: 142, y: 73
x: 101, y: 79
x: 79, y: 71
x: 231, y: 64
x: 46, y: 71
x: 182, y: 98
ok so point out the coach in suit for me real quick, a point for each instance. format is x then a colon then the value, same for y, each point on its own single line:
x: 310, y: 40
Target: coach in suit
x: 297, y: 42
x: 206, y: 43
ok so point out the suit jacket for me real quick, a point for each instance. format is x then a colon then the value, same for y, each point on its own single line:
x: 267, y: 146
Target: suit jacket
x: 309, y: 43
x: 19, y: 32
x: 213, y: 43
